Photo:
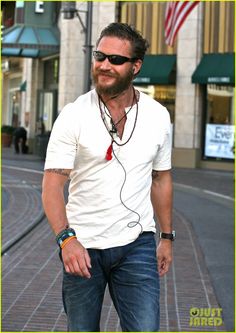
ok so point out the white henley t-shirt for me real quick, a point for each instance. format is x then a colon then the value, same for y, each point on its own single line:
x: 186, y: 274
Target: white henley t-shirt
x: 109, y: 201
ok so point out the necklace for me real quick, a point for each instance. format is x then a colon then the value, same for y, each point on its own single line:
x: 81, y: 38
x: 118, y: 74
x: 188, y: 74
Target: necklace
x: 110, y: 148
x: 114, y: 128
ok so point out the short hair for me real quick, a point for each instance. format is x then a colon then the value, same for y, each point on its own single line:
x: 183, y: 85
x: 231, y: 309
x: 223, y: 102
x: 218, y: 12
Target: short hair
x: 126, y: 31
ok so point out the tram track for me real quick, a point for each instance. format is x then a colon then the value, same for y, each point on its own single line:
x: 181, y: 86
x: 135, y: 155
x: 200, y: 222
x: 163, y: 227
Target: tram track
x: 9, y: 245
x: 23, y: 211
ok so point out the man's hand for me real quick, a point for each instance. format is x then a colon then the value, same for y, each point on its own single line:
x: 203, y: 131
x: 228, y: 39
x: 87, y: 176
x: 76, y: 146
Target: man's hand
x: 76, y: 259
x: 164, y: 256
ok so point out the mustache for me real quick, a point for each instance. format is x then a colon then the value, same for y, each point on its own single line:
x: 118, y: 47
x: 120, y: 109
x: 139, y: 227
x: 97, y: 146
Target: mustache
x: 106, y: 72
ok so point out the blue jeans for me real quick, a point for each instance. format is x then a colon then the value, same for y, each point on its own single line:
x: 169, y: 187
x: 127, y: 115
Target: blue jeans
x: 131, y: 274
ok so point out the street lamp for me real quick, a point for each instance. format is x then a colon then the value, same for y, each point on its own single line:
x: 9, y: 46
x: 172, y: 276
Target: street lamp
x: 69, y: 11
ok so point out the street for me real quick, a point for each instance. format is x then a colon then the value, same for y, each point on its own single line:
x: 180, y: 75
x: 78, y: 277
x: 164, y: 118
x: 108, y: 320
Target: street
x: 201, y: 276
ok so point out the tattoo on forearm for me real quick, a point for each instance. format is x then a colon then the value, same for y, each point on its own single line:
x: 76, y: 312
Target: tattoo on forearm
x: 61, y: 172
x: 154, y: 174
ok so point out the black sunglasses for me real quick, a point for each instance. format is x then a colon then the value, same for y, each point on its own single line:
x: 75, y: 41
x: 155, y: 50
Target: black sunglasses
x: 114, y: 59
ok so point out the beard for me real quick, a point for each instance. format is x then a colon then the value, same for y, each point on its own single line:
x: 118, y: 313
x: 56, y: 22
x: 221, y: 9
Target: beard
x: 119, y: 85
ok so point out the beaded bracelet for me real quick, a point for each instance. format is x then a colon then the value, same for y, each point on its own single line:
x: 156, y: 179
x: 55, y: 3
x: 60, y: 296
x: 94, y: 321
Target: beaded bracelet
x: 67, y: 241
x: 64, y: 234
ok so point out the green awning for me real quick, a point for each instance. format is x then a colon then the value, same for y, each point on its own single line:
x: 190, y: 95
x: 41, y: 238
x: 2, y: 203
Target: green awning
x: 23, y: 86
x: 157, y: 69
x: 27, y: 41
x: 215, y: 68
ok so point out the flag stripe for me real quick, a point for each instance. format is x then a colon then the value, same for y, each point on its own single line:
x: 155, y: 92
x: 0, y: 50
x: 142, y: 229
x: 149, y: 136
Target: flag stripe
x: 170, y: 15
x: 180, y: 20
x: 176, y: 13
x: 175, y: 19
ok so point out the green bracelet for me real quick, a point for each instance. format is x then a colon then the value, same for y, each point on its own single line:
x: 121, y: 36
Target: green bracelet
x: 64, y: 234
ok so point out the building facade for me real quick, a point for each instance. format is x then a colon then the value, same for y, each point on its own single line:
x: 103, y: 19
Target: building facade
x: 38, y: 78
x: 194, y: 79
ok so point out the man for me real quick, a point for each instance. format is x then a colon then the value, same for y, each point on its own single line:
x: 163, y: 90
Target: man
x: 114, y: 145
x: 20, y: 138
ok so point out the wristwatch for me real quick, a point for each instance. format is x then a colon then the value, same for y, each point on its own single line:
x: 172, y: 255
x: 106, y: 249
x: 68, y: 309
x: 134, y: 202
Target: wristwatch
x: 171, y: 236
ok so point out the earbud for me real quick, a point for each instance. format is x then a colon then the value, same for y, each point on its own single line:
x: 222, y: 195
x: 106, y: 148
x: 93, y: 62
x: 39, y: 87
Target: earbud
x: 114, y: 129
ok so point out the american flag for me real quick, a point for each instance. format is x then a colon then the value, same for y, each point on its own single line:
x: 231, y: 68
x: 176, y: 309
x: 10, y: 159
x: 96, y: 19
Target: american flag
x: 175, y: 15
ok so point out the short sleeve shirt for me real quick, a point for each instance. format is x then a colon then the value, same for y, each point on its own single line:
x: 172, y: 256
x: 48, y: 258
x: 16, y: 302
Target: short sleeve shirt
x: 109, y: 200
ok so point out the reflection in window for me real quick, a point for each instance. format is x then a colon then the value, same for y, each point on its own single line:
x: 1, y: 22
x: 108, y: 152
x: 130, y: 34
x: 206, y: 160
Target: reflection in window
x: 219, y: 132
x: 46, y: 112
x: 164, y: 94
x: 220, y: 104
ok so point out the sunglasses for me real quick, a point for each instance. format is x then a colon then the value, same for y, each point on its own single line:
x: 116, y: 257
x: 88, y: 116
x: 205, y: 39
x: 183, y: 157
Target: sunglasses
x: 114, y: 59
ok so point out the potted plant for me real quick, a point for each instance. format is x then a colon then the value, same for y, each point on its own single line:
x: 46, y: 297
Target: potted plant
x: 7, y: 135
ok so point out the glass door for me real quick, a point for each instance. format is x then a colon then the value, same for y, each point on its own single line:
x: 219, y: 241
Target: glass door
x: 46, y: 111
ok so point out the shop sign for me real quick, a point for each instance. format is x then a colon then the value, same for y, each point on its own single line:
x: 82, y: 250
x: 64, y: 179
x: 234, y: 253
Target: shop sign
x: 218, y: 79
x: 142, y: 80
x: 219, y: 141
x: 38, y: 14
x: 39, y: 7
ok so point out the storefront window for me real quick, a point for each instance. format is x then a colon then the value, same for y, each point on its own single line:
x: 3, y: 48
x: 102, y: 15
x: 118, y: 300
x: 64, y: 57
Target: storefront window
x: 47, y: 98
x: 51, y: 73
x: 15, y: 112
x: 219, y: 132
x: 164, y: 94
x: 46, y: 111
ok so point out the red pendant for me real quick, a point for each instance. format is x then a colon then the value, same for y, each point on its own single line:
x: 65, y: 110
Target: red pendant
x: 109, y: 153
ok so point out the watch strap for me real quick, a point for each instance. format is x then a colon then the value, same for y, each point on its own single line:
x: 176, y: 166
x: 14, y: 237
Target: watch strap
x: 171, y: 236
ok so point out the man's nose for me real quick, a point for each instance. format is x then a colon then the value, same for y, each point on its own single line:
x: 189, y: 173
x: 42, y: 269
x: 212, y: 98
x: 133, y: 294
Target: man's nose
x: 105, y: 64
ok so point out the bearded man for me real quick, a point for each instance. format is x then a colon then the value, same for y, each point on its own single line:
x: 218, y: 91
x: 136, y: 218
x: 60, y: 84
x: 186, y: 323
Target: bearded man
x: 114, y: 145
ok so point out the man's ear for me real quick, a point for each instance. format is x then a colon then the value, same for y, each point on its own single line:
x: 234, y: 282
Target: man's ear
x: 137, y: 66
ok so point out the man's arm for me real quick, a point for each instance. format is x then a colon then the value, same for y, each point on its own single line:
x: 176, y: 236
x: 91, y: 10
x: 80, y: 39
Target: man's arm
x: 75, y: 257
x: 161, y: 196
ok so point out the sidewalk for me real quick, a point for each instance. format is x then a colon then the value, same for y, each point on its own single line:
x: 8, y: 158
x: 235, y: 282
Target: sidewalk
x: 31, y: 271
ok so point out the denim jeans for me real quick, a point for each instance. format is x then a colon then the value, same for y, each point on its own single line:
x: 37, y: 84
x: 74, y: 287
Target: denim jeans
x: 131, y: 274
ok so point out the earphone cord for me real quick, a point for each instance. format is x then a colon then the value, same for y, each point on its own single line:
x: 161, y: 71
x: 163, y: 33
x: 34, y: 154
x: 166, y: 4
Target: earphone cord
x: 115, y: 124
x: 131, y: 224
x: 105, y: 123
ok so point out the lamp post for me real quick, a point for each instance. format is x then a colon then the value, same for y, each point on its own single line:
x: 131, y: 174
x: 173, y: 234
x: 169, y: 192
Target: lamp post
x: 69, y: 11
x: 88, y: 47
